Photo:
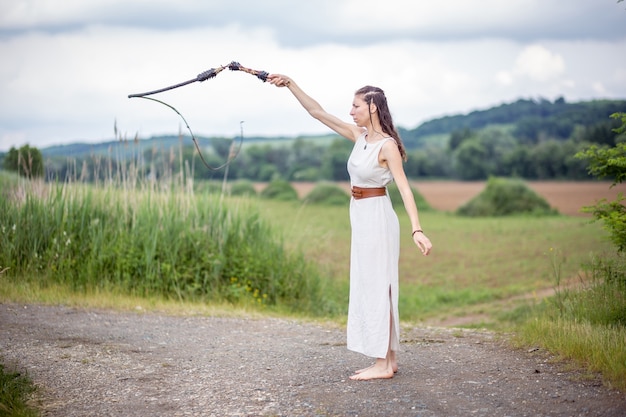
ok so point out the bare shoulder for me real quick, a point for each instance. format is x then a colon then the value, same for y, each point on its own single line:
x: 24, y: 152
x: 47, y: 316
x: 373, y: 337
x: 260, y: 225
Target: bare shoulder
x: 390, y: 149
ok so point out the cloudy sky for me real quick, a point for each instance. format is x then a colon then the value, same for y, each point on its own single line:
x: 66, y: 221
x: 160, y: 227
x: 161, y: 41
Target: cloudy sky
x: 68, y: 66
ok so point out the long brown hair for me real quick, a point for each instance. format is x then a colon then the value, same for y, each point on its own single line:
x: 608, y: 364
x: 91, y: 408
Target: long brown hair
x: 377, y: 96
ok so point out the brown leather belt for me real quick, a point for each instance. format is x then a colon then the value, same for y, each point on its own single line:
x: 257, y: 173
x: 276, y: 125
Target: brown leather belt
x: 358, y: 192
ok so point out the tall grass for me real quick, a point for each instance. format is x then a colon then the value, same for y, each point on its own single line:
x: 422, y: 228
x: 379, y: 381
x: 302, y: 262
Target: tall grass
x: 167, y: 239
x: 147, y: 241
x: 16, y: 390
x: 586, y: 323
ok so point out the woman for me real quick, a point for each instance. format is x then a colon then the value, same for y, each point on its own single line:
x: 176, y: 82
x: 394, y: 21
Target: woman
x: 376, y: 160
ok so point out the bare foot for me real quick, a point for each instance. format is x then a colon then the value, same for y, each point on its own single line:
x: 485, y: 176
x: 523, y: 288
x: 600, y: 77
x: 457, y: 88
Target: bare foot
x: 391, y: 358
x: 394, y: 366
x: 376, y: 371
x: 358, y: 371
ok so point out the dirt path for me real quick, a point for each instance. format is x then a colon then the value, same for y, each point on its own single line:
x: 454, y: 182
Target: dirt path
x: 106, y: 363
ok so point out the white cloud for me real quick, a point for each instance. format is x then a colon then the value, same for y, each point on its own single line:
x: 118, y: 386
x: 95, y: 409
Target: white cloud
x: 342, y: 21
x: 599, y: 88
x: 59, y: 85
x: 504, y: 78
x: 539, y: 64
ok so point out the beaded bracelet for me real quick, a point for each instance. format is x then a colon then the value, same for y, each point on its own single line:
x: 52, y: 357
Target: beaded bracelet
x: 416, y: 231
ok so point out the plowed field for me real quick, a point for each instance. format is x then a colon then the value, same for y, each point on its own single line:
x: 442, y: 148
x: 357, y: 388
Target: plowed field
x: 567, y: 197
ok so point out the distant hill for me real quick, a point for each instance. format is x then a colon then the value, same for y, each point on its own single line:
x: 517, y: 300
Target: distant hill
x: 133, y: 146
x: 528, y: 118
x: 557, y: 118
x: 75, y: 150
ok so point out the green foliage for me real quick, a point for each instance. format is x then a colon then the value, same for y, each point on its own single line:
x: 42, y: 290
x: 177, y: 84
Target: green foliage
x: 433, y: 162
x: 599, y: 297
x: 173, y: 244
x: 604, y: 300
x: 605, y: 162
x: 242, y: 188
x: 588, y: 324
x: 530, y: 139
x: 505, y: 197
x: 459, y: 136
x: 613, y: 216
x: 328, y: 194
x: 15, y: 392
x: 534, y: 119
x: 472, y: 160
x: 280, y: 190
x: 335, y: 158
x: 8, y: 182
x: 26, y: 161
x: 621, y: 117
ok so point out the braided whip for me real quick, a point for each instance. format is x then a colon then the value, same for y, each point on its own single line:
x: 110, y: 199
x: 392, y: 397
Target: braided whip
x: 212, y: 73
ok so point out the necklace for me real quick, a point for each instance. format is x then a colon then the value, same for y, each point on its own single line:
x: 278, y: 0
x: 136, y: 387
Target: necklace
x: 366, y: 136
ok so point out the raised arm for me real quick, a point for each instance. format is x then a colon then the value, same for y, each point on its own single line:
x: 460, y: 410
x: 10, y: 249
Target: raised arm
x: 347, y: 130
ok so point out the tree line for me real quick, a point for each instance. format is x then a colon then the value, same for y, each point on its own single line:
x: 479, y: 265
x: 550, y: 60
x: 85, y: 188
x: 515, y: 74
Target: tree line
x: 529, y: 139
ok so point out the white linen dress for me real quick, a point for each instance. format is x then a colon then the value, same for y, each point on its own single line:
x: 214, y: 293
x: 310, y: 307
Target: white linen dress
x: 374, y: 256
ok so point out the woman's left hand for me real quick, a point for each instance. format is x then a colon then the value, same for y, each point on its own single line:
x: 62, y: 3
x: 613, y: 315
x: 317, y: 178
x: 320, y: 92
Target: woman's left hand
x: 422, y: 242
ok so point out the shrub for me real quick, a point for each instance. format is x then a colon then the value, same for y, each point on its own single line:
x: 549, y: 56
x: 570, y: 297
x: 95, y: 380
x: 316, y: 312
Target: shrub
x: 328, y: 194
x: 280, y: 190
x: 242, y: 188
x: 505, y: 197
x: 26, y: 161
x: 610, y: 162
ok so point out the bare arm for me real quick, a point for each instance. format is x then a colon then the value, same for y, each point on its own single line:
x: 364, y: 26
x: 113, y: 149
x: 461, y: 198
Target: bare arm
x: 390, y: 155
x: 347, y: 130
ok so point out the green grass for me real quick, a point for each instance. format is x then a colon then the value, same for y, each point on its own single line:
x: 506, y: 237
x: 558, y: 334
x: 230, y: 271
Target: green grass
x: 538, y: 277
x: 148, y: 242
x: 597, y: 348
x: 173, y: 249
x: 587, y: 323
x: 186, y: 246
x: 15, y: 393
x: 480, y: 265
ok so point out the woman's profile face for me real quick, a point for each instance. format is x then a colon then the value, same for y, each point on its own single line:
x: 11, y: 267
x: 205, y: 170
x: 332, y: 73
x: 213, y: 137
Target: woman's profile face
x: 360, y: 111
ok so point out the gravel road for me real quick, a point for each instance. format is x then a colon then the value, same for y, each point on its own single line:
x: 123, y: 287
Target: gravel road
x: 112, y: 363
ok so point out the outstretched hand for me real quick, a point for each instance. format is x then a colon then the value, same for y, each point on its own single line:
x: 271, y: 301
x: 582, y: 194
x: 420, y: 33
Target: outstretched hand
x: 423, y: 243
x: 279, y: 80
